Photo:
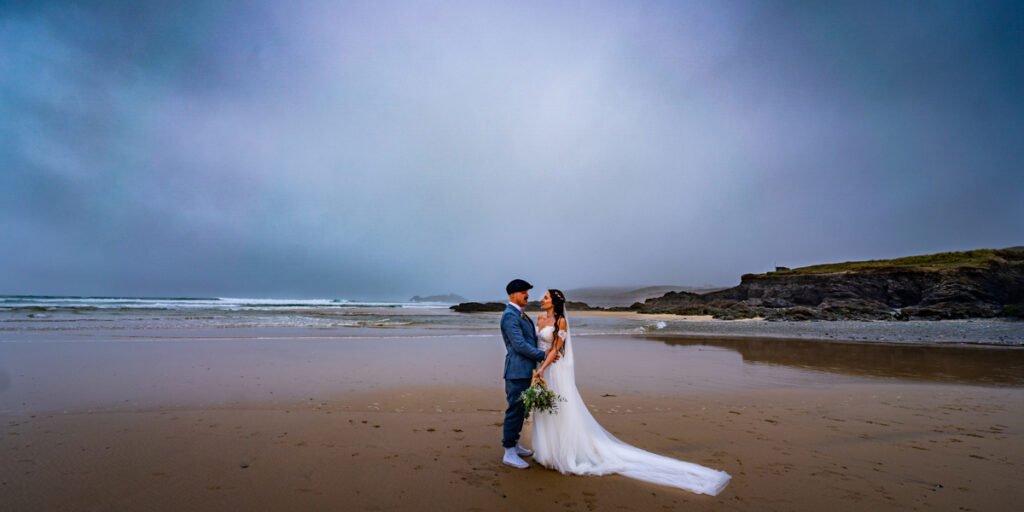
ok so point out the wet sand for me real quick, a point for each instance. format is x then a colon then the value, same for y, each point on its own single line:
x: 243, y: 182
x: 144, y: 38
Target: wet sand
x: 414, y: 423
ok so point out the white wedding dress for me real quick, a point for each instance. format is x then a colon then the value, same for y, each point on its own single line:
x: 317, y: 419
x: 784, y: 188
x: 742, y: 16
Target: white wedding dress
x: 571, y: 440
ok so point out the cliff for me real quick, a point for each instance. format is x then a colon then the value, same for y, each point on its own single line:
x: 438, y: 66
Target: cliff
x: 982, y: 283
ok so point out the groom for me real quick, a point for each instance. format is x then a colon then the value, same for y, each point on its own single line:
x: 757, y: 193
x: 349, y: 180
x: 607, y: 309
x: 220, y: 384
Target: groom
x: 521, y: 357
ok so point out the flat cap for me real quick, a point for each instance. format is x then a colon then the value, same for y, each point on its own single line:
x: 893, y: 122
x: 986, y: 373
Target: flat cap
x: 517, y: 285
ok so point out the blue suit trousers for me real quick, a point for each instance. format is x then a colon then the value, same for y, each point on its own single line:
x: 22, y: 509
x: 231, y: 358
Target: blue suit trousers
x: 516, y: 413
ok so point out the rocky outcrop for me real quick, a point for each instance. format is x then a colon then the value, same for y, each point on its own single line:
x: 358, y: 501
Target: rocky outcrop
x: 478, y: 307
x: 972, y: 284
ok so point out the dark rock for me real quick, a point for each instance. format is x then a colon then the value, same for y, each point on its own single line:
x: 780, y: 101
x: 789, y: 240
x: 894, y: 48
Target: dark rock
x: 972, y: 284
x: 478, y: 307
x: 795, y: 314
x: 737, y: 311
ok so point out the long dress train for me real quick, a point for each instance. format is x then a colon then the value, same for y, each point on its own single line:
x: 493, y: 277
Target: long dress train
x: 571, y: 441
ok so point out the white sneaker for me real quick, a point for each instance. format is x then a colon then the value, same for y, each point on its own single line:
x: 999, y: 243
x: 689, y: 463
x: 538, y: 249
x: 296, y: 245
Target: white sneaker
x: 511, y: 459
x: 523, y: 452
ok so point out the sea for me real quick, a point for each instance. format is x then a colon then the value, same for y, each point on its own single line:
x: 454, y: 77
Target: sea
x: 42, y: 318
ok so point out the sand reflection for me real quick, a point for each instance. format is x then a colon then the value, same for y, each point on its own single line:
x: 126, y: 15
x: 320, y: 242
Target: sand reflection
x: 952, y: 364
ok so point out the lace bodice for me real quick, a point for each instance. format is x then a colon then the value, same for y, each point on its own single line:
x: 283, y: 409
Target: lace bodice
x: 546, y: 336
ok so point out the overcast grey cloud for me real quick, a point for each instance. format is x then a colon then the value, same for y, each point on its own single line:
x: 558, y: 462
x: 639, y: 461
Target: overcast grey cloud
x: 384, y: 149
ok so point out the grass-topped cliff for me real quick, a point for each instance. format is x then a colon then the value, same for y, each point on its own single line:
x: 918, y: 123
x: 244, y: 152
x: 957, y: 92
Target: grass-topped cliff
x: 976, y: 259
x: 979, y: 283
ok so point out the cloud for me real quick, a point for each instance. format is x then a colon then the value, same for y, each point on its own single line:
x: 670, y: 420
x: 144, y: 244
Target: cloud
x: 377, y: 150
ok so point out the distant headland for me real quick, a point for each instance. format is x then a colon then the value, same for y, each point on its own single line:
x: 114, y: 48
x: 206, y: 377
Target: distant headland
x: 450, y: 298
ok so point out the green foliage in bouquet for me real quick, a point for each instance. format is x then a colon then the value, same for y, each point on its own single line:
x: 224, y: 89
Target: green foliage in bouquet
x: 539, y: 398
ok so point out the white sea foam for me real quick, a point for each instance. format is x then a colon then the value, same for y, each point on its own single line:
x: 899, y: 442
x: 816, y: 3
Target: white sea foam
x: 24, y: 314
x: 187, y: 303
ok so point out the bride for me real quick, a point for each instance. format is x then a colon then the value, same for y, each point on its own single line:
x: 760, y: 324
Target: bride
x: 571, y: 440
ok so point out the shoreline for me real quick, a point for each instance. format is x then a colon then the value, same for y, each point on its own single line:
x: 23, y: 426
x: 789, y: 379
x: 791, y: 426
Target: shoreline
x: 994, y: 333
x: 663, y: 316
x: 389, y: 322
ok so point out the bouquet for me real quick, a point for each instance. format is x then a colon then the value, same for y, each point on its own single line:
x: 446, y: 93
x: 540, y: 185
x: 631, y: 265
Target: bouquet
x: 538, y: 397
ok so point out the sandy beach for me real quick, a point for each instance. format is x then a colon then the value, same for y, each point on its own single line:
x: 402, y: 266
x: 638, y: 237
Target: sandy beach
x: 411, y: 421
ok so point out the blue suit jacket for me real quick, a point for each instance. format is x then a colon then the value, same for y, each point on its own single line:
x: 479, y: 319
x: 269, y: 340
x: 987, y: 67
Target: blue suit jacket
x: 521, y: 352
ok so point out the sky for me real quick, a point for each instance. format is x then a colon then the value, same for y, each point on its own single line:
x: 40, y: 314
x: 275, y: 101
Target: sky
x: 378, y: 149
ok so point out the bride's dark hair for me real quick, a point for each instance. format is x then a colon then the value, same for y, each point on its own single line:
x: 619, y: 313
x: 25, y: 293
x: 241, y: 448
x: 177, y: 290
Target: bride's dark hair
x: 558, y: 301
